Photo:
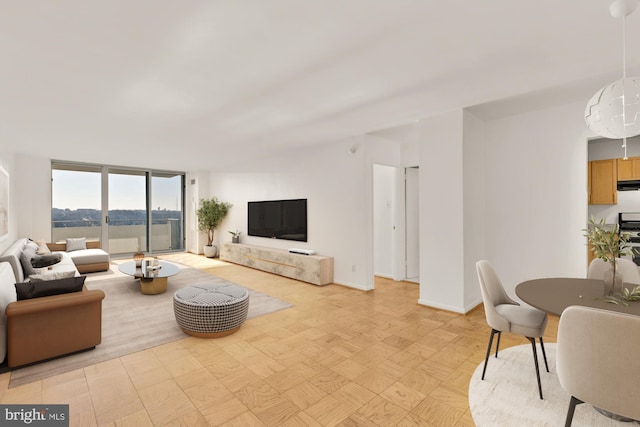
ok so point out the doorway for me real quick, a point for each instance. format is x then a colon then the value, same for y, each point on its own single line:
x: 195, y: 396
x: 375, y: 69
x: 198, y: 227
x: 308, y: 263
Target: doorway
x: 396, y: 241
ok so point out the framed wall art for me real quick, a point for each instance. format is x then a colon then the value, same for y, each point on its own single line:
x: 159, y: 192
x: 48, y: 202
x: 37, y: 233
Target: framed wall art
x: 4, y: 204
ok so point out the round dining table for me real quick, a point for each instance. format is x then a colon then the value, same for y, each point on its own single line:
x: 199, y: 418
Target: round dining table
x: 553, y: 295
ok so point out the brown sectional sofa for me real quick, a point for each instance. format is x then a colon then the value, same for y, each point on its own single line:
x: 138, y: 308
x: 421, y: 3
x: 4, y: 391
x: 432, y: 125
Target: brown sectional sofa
x: 37, y: 329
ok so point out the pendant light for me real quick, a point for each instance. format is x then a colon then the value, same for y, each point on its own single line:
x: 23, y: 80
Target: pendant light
x: 614, y: 111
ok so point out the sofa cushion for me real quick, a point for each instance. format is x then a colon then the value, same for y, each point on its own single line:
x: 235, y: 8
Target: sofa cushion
x: 12, y: 256
x: 40, y: 261
x: 31, y: 244
x: 89, y: 256
x: 51, y: 275
x: 76, y: 244
x: 46, y: 288
x: 43, y: 249
x: 25, y: 259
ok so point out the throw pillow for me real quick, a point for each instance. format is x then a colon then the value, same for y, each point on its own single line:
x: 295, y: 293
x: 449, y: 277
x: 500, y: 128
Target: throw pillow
x: 51, y: 275
x: 39, y: 261
x: 76, y: 244
x: 31, y: 244
x: 30, y: 290
x: 43, y: 249
x: 25, y: 259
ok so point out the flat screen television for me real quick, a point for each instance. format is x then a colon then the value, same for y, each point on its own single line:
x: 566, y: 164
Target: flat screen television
x: 278, y: 219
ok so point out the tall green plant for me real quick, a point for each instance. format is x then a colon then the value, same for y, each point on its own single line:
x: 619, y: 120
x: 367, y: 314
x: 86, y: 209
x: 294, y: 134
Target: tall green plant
x: 210, y: 214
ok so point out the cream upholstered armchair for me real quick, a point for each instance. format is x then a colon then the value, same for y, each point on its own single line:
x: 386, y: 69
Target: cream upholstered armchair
x: 505, y: 315
x: 598, y: 360
x: 627, y: 268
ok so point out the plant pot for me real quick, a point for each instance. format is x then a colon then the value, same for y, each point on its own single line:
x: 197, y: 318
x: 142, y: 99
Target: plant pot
x: 235, y: 239
x: 210, y: 251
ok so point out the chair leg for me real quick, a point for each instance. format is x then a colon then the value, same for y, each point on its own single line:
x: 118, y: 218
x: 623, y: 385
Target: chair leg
x: 572, y: 408
x: 544, y: 354
x: 535, y: 360
x: 486, y: 359
x: 498, y: 344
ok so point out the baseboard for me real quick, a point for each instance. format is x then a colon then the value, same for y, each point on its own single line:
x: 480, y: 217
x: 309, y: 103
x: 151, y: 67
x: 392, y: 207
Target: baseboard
x: 473, y: 305
x: 353, y: 285
x: 433, y: 304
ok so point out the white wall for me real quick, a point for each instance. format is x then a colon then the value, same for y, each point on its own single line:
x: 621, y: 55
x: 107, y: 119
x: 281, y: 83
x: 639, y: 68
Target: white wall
x: 536, y: 194
x: 441, y: 212
x: 338, y: 187
x: 474, y: 140
x: 33, y: 183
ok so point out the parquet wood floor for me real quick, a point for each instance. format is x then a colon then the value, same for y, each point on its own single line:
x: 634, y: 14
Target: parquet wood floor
x: 339, y: 357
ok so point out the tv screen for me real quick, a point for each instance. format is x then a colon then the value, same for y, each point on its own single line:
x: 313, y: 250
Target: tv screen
x: 278, y: 219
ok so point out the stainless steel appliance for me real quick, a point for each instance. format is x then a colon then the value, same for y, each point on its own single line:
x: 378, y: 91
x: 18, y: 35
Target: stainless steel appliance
x: 630, y: 222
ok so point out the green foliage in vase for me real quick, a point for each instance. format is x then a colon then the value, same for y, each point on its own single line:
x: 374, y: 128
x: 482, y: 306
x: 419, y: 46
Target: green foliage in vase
x: 607, y: 241
x: 631, y: 295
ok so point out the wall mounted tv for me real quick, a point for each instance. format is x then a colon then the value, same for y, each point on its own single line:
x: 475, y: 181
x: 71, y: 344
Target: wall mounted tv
x: 278, y: 219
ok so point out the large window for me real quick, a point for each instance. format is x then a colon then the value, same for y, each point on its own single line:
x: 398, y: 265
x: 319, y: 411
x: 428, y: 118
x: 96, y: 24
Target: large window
x: 127, y: 209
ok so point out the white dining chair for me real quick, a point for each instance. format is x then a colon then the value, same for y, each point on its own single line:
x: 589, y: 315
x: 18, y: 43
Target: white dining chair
x: 597, y: 360
x: 506, y: 315
x: 627, y: 268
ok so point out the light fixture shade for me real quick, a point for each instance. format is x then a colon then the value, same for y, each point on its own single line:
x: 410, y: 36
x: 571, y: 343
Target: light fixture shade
x: 614, y: 110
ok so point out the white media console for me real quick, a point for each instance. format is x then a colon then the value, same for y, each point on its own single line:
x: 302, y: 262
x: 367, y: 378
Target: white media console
x: 314, y: 269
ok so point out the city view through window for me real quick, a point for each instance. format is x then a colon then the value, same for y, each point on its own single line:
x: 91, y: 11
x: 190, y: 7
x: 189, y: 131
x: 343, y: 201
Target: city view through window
x: 127, y: 225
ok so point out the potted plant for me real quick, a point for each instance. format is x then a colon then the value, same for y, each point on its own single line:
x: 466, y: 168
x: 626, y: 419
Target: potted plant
x: 210, y: 214
x: 236, y: 236
x: 608, y: 243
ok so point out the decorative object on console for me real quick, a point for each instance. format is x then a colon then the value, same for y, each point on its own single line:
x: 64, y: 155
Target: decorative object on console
x: 614, y: 110
x: 210, y: 214
x: 302, y: 251
x: 235, y: 236
x: 607, y: 244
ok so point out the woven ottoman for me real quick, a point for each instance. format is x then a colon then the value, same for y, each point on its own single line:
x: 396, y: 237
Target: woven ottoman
x: 210, y: 310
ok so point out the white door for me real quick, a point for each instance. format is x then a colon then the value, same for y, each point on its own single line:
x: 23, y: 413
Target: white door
x: 412, y: 216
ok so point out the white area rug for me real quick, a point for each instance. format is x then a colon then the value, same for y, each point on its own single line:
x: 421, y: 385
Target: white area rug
x: 508, y: 396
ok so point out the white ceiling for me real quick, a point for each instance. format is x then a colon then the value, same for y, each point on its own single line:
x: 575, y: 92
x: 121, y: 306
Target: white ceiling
x: 188, y: 85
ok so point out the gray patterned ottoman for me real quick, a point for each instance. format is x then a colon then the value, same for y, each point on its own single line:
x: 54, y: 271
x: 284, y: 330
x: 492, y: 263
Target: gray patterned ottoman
x: 209, y: 310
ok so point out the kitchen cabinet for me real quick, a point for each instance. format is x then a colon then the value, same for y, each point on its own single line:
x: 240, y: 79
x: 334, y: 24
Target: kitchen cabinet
x: 628, y: 169
x: 603, y: 177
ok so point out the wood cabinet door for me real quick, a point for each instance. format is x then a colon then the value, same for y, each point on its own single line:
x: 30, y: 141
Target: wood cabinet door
x: 603, y: 177
x: 628, y: 169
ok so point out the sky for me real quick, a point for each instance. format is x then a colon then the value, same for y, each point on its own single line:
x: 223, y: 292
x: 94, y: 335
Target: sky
x: 81, y: 190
